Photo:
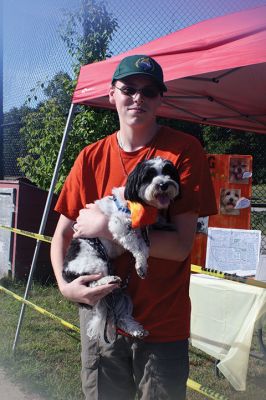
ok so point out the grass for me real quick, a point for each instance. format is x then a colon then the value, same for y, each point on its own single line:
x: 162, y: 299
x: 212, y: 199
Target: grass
x: 47, y: 358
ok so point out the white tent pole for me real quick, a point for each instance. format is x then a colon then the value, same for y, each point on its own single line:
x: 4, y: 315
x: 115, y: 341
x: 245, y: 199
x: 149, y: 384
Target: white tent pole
x: 44, y: 218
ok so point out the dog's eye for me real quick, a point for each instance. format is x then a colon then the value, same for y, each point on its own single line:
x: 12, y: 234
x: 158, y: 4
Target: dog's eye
x: 149, y: 175
x: 169, y: 170
x: 227, y: 193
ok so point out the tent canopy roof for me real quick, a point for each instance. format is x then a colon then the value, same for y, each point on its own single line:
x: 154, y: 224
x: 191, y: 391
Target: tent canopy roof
x: 215, y: 72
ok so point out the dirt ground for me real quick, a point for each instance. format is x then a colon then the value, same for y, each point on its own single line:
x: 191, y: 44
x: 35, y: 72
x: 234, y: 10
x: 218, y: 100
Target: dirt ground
x: 11, y: 391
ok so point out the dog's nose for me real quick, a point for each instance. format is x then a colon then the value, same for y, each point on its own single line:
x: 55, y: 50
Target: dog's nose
x: 163, y: 186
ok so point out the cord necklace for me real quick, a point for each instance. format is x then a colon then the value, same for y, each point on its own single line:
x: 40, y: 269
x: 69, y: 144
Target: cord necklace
x: 121, y: 147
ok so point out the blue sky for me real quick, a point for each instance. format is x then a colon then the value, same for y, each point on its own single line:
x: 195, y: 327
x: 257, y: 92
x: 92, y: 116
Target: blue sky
x: 34, y: 52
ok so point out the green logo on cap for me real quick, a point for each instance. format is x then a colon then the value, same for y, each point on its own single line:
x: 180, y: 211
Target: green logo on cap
x: 145, y: 64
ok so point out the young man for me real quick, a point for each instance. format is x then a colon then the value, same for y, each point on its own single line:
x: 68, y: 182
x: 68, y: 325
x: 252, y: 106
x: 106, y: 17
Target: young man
x: 156, y: 367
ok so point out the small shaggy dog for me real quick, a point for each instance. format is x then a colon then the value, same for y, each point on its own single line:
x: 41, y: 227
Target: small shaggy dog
x: 152, y: 185
x: 228, y: 201
x: 239, y: 171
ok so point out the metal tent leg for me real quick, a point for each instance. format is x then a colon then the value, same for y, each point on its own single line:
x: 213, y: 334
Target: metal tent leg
x: 44, y: 219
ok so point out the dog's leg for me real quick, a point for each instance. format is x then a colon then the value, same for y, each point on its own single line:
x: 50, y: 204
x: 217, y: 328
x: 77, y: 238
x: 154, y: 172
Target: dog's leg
x: 83, y: 258
x: 123, y: 309
x: 111, y: 313
x: 106, y: 280
x: 131, y: 240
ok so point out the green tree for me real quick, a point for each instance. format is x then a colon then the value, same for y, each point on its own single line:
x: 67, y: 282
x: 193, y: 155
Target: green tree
x: 43, y: 131
x: 87, y: 35
x: 60, y: 88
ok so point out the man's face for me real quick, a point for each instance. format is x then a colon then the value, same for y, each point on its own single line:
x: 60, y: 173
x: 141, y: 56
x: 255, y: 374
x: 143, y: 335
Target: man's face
x: 138, y: 108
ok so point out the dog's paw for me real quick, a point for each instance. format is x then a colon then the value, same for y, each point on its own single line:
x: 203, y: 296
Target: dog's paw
x: 142, y: 272
x: 141, y: 267
x: 133, y: 328
x: 139, y: 333
x: 106, y: 280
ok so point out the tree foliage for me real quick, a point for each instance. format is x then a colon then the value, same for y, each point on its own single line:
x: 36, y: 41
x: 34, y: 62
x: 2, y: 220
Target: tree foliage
x: 13, y: 143
x: 87, y: 34
x: 60, y: 88
x: 43, y: 132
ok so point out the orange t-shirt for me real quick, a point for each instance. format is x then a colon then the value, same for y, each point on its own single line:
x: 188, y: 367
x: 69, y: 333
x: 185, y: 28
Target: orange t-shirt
x: 161, y: 300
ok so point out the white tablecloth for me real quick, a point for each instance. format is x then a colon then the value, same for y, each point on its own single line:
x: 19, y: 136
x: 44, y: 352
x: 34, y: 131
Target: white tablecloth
x: 224, y: 314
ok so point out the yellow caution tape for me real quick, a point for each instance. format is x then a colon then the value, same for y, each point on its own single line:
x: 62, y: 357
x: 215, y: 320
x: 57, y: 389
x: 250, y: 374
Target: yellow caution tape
x: 29, y: 234
x: 41, y: 310
x: 194, y: 268
x: 230, y: 277
x: 211, y: 394
x: 190, y: 383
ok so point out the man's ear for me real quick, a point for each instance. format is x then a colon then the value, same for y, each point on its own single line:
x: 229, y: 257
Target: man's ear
x: 111, y: 95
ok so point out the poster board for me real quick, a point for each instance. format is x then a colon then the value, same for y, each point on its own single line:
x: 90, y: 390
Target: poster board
x: 232, y: 181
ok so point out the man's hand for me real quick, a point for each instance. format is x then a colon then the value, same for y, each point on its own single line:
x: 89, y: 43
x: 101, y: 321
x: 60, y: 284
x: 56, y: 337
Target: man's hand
x: 91, y: 223
x: 78, y: 291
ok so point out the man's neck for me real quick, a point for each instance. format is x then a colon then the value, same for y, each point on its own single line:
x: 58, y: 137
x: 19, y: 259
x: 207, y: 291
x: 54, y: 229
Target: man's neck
x: 134, y: 138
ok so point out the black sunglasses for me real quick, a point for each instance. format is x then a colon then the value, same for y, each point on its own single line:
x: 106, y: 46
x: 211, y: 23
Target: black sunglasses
x: 149, y: 91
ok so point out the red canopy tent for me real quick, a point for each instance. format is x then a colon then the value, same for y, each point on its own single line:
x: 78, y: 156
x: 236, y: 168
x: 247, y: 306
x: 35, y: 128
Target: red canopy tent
x: 215, y: 72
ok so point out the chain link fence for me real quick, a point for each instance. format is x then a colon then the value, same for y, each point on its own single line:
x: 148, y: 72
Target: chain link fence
x: 33, y: 53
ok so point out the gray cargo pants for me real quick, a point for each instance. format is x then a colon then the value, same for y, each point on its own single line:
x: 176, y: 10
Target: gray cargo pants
x: 133, y: 369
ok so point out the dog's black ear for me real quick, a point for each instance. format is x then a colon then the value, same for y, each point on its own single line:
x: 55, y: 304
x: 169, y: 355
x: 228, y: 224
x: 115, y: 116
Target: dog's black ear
x: 133, y: 183
x: 170, y: 169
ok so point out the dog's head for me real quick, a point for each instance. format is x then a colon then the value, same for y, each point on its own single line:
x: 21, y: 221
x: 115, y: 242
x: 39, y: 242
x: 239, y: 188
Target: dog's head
x: 229, y: 198
x: 154, y: 182
x: 237, y: 168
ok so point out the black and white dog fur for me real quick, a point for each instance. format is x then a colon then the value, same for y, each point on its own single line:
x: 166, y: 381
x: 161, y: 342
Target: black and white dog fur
x: 154, y: 182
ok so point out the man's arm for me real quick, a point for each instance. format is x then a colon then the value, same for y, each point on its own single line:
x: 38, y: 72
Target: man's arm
x: 168, y: 245
x: 77, y: 290
x: 175, y: 245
